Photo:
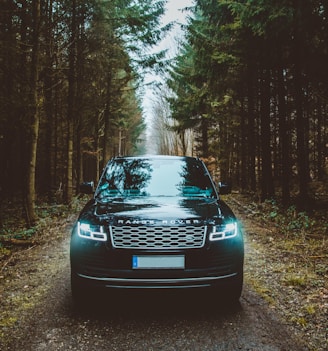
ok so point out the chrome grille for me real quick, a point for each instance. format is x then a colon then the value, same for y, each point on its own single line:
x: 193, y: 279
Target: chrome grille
x: 142, y: 237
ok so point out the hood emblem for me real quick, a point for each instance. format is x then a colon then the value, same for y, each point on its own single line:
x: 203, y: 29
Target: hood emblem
x: 159, y: 222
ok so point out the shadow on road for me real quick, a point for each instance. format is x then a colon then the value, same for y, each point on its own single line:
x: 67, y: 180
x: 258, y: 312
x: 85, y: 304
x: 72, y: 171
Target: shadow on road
x: 140, y: 304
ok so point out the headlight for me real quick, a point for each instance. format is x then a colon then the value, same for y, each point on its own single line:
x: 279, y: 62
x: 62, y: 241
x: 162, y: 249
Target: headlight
x: 225, y: 231
x: 93, y: 232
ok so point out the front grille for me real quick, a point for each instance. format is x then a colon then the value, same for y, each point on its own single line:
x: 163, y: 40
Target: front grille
x: 142, y: 237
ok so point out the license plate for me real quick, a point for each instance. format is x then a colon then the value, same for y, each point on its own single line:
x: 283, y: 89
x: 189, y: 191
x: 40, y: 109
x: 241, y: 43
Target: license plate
x: 158, y: 262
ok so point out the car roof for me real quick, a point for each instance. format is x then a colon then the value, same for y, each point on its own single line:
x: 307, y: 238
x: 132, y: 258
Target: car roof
x: 156, y: 157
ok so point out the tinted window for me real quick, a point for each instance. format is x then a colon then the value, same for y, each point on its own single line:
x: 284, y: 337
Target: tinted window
x: 154, y: 177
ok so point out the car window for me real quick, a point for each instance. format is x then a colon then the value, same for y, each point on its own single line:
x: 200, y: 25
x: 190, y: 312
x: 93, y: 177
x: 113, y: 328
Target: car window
x: 154, y: 177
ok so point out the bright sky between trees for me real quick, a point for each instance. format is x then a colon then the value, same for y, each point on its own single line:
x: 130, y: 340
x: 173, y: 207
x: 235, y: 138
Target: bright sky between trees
x: 173, y: 13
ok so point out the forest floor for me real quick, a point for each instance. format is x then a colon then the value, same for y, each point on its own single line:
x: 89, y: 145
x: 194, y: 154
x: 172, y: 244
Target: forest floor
x: 286, y: 263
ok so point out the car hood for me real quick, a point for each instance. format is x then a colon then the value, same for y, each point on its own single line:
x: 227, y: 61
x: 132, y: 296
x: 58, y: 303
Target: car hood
x: 161, y: 210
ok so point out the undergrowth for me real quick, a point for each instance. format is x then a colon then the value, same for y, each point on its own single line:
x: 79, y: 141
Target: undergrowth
x: 14, y: 232
x: 291, y: 222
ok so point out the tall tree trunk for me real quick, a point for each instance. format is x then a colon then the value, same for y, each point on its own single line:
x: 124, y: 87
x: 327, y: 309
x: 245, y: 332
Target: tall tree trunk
x: 48, y: 177
x: 251, y: 141
x: 267, y: 189
x: 34, y: 118
x: 302, y: 156
x: 8, y: 114
x: 284, y: 136
x: 242, y: 150
x: 107, y: 132
x: 320, y: 142
x: 71, y: 110
x: 300, y: 137
x: 97, y: 151
x: 79, y: 155
x: 204, y: 129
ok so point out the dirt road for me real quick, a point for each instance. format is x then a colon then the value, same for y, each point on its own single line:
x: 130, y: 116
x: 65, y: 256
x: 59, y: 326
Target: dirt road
x: 45, y: 318
x: 145, y: 323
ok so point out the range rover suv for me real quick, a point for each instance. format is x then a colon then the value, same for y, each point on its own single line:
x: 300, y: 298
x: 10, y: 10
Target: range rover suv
x: 156, y: 222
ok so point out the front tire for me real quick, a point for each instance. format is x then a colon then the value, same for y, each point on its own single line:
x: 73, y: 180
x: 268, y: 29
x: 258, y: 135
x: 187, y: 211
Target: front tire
x: 229, y: 293
x: 80, y: 293
x: 233, y: 292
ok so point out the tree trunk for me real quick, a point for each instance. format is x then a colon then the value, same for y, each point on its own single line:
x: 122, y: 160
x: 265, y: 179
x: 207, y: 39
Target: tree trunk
x: 300, y: 139
x: 267, y: 189
x: 284, y: 136
x: 320, y: 142
x: 204, y: 128
x: 71, y: 110
x: 48, y: 177
x: 251, y: 141
x: 97, y: 151
x: 107, y: 132
x: 302, y: 156
x: 242, y: 150
x: 34, y: 118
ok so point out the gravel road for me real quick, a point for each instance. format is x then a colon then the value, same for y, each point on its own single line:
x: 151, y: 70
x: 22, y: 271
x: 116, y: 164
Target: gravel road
x: 134, y: 320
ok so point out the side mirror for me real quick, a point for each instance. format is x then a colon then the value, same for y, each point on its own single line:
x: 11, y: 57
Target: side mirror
x: 87, y: 188
x: 224, y: 188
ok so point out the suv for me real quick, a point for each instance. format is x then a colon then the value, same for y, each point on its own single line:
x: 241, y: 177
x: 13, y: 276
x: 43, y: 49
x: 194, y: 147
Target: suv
x: 156, y: 222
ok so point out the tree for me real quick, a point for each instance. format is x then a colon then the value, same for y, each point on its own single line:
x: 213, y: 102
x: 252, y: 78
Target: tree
x: 33, y: 115
x: 246, y: 71
x: 60, y: 72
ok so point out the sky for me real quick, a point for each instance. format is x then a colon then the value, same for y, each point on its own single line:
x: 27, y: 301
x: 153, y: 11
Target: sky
x: 173, y: 13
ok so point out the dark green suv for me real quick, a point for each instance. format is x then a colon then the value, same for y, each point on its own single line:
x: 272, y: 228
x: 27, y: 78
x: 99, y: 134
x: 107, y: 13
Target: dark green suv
x: 156, y: 222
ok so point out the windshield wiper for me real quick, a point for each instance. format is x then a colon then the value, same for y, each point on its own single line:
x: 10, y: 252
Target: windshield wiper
x: 111, y: 183
x: 108, y: 198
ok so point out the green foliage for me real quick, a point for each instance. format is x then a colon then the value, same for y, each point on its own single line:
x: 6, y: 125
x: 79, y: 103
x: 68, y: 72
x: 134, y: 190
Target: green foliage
x: 300, y: 321
x: 4, y: 252
x: 14, y: 230
x: 263, y: 18
x: 290, y: 220
x: 25, y: 234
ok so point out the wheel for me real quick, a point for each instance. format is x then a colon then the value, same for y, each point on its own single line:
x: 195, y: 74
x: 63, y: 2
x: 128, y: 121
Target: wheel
x: 80, y: 293
x: 233, y: 291
x: 229, y: 293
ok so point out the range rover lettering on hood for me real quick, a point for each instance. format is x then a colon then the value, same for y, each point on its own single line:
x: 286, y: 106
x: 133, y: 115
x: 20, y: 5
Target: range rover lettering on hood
x: 159, y: 222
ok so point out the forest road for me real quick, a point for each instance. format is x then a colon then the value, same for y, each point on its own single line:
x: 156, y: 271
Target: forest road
x: 138, y: 320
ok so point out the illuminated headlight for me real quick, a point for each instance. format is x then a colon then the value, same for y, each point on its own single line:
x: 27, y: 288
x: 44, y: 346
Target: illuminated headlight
x: 92, y: 232
x: 226, y: 231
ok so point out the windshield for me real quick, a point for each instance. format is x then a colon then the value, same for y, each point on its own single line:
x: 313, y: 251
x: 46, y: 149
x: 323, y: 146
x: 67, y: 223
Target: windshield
x: 132, y: 177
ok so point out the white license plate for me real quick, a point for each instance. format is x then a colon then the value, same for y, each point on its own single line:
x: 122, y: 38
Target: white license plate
x: 158, y: 262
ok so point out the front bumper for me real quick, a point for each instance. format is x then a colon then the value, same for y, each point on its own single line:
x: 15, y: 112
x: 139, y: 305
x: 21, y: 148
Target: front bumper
x: 208, y: 273
x: 157, y: 283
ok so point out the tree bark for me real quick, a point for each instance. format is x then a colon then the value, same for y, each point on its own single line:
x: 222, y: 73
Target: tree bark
x: 302, y: 156
x: 284, y: 136
x: 107, y: 132
x: 34, y: 118
x: 267, y: 189
x: 204, y: 129
x: 251, y: 141
x: 71, y: 110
